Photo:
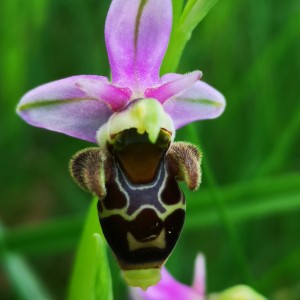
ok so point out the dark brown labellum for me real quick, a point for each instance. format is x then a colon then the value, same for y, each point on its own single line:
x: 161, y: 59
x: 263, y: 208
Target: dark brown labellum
x: 141, y: 207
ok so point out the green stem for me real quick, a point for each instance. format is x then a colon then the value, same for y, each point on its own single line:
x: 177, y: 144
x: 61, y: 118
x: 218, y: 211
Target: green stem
x: 194, y: 12
x: 177, y: 41
x: 255, y: 208
x: 177, y: 44
x: 182, y: 28
x: 216, y: 196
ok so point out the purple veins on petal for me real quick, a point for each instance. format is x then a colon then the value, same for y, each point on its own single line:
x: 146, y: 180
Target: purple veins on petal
x: 199, y: 102
x: 61, y: 106
x: 137, y: 34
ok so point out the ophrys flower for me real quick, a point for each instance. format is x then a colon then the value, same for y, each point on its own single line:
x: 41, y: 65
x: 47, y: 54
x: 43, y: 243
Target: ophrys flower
x: 133, y: 118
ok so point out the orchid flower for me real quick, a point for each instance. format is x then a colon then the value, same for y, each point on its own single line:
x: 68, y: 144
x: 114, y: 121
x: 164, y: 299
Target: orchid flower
x: 169, y: 288
x: 136, y: 34
x: 136, y: 167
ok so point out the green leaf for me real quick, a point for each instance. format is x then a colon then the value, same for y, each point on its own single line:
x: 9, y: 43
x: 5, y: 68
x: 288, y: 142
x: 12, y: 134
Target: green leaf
x: 91, y: 277
x: 177, y: 41
x: 194, y: 12
x: 103, y: 285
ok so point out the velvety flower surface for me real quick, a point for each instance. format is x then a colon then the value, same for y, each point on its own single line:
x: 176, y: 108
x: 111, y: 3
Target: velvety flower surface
x: 136, y: 34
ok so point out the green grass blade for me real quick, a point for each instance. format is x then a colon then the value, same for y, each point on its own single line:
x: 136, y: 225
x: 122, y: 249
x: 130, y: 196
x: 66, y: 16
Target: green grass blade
x: 245, y: 201
x: 63, y: 234
x: 21, y: 276
x: 282, y: 148
x: 288, y: 264
x: 103, y: 283
x: 176, y: 43
x: 244, y: 192
x: 228, y: 223
x: 23, y: 279
x: 194, y: 12
x: 220, y: 205
x: 49, y: 237
x: 255, y: 208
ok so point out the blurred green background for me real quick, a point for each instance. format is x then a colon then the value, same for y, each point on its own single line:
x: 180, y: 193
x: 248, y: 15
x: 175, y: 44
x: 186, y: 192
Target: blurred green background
x: 246, y: 216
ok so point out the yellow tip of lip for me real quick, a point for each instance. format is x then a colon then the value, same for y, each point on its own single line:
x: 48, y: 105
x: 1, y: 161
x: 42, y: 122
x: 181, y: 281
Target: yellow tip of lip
x: 143, y: 278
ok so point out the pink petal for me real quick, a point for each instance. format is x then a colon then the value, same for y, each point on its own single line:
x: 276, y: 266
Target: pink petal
x: 199, y: 275
x: 170, y: 77
x: 173, y: 87
x: 137, y: 34
x: 167, y: 289
x: 63, y: 107
x: 199, y: 102
x: 116, y: 97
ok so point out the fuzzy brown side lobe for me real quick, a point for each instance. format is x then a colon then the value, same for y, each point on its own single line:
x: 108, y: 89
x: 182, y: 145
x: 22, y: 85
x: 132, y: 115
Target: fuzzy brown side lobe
x: 88, y: 169
x: 184, y: 161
